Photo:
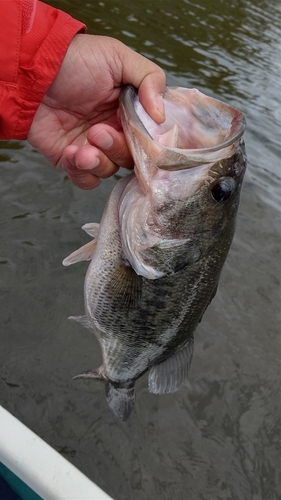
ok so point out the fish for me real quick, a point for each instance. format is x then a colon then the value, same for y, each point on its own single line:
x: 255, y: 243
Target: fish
x: 157, y: 254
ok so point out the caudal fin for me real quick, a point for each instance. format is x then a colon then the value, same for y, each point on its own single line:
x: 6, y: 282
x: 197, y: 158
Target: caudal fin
x: 121, y: 401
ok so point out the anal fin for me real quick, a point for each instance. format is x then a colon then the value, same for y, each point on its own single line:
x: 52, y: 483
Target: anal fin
x: 97, y: 373
x: 169, y: 375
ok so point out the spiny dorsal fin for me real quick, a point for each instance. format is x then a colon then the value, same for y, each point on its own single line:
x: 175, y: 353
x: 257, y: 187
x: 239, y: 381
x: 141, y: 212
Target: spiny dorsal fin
x: 169, y: 375
x: 86, y: 252
x: 92, y: 228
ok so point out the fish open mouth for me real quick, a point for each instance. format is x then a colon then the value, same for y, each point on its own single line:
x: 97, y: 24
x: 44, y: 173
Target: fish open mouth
x: 198, y: 129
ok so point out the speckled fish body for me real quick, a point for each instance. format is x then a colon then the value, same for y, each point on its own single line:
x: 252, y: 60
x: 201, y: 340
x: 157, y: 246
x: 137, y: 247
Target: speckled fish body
x: 165, y: 233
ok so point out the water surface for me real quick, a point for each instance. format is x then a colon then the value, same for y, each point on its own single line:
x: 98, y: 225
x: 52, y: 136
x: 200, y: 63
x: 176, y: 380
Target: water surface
x: 219, y: 437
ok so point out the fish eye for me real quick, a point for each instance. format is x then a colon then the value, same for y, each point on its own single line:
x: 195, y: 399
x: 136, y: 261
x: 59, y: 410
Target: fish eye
x: 223, y: 189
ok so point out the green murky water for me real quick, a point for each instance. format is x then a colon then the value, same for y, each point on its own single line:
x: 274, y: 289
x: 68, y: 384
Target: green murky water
x: 219, y: 437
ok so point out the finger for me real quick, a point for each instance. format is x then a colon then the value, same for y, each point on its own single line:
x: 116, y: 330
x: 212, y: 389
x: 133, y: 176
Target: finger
x: 82, y: 179
x: 85, y: 165
x: 152, y: 101
x: 91, y: 159
x: 112, y: 143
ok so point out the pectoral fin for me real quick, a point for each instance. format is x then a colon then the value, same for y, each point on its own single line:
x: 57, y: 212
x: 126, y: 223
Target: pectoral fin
x: 169, y: 375
x: 84, y: 253
x: 125, y: 286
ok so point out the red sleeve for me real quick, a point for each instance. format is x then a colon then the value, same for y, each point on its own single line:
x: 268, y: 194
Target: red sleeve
x: 34, y: 38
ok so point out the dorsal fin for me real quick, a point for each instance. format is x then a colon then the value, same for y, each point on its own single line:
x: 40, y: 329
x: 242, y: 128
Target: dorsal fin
x: 92, y: 228
x: 86, y: 252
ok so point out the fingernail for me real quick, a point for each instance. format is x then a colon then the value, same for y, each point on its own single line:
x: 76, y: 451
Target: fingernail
x: 91, y: 166
x: 160, y: 106
x: 94, y: 164
x: 103, y: 140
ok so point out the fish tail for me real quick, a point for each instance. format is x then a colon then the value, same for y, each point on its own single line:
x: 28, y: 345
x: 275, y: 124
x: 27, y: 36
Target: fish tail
x: 120, y: 400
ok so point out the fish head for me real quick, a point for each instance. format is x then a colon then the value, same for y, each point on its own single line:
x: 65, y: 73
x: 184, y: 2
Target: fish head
x: 189, y: 172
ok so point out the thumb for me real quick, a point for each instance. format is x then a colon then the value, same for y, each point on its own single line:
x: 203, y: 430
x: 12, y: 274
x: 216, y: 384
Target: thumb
x: 148, y: 78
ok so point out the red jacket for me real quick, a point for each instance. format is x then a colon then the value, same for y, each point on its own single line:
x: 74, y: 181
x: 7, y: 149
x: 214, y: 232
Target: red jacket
x: 34, y: 38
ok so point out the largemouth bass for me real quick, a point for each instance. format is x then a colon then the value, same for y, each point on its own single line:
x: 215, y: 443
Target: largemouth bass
x: 158, y: 252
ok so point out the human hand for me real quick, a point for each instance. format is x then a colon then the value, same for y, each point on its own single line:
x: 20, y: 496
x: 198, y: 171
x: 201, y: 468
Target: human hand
x: 76, y: 126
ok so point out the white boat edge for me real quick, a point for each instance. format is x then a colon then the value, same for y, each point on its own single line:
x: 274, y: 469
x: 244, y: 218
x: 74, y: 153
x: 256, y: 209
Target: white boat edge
x: 42, y: 468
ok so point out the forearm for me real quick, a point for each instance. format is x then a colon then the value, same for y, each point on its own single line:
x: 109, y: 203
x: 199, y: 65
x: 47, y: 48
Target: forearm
x: 34, y: 38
